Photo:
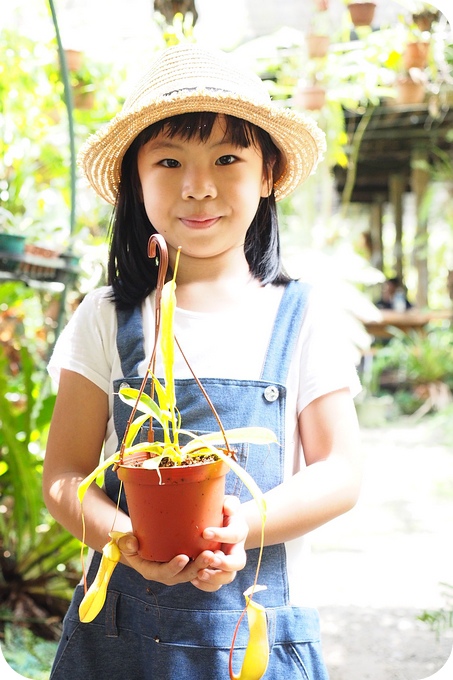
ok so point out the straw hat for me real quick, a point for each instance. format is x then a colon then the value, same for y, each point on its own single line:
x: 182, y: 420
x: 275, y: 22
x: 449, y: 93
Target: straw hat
x: 188, y: 78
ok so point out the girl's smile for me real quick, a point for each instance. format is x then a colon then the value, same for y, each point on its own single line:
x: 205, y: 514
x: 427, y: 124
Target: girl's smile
x: 201, y: 195
x: 197, y: 222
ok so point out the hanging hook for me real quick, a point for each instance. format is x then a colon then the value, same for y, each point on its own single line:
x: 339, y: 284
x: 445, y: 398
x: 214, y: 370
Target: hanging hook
x: 157, y: 243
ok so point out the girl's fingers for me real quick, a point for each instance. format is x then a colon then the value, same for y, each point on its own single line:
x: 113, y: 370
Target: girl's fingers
x: 235, y: 528
x: 128, y: 545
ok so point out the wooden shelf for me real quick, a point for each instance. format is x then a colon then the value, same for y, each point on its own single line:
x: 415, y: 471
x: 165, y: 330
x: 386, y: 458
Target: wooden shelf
x: 35, y: 269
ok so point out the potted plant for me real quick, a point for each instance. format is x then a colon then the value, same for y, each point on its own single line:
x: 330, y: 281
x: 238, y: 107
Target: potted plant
x: 318, y: 36
x: 424, y: 15
x: 415, y: 54
x: 12, y: 241
x: 410, y: 87
x: 362, y: 13
x: 74, y: 59
x: 310, y: 97
x: 167, y: 464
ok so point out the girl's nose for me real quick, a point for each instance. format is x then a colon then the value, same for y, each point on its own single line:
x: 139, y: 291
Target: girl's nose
x: 198, y: 185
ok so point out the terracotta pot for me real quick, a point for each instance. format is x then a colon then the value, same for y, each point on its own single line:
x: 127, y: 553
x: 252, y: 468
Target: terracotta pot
x: 310, y: 98
x: 409, y: 92
x: 317, y: 45
x: 424, y: 20
x: 415, y: 55
x: 362, y: 13
x: 41, y: 251
x: 74, y: 59
x: 82, y: 98
x: 170, y: 509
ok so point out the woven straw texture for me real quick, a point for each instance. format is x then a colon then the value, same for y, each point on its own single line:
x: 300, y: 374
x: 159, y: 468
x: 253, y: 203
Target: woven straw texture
x: 187, y: 78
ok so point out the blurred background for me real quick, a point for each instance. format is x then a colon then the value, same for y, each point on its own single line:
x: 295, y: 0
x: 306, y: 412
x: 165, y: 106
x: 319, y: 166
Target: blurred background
x: 373, y: 226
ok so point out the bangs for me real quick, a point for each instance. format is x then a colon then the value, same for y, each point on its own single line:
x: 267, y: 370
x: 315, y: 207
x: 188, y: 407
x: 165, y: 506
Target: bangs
x: 198, y: 125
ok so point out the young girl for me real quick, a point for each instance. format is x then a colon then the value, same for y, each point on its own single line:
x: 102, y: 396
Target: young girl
x: 200, y: 155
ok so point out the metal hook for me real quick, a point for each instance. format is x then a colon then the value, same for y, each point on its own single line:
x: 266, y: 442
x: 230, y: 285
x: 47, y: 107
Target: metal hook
x: 157, y: 243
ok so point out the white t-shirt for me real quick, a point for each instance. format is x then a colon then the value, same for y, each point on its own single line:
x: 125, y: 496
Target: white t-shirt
x: 228, y: 344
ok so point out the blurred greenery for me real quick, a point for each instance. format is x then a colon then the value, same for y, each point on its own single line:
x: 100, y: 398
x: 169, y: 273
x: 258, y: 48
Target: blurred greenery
x: 38, y: 559
x: 419, y: 358
x: 34, y: 141
x: 27, y: 654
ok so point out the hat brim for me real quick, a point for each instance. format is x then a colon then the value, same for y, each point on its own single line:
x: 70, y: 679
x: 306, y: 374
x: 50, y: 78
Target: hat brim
x: 298, y: 137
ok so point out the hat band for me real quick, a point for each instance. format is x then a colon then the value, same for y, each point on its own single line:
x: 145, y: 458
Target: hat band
x: 195, y: 89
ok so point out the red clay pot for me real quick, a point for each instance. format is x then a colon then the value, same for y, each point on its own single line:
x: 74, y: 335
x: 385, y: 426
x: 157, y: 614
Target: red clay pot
x: 409, y: 92
x: 362, y: 13
x: 74, y: 59
x: 317, y: 45
x: 415, y: 55
x: 170, y: 512
x: 310, y: 98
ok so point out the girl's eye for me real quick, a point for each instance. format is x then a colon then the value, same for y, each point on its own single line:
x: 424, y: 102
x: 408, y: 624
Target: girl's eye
x: 170, y: 163
x: 226, y: 160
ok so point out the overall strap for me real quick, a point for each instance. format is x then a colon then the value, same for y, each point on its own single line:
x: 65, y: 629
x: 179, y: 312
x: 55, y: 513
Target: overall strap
x: 285, y: 332
x: 130, y: 341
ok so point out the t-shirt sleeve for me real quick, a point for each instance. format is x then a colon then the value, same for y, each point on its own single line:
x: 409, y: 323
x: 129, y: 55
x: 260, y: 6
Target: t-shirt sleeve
x: 326, y: 353
x: 86, y: 344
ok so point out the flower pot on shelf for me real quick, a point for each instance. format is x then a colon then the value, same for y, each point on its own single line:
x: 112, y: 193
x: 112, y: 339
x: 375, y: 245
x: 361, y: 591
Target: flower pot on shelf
x: 74, y: 59
x: 12, y: 248
x: 310, y: 97
x: 362, y: 13
x: 317, y: 45
x: 409, y: 91
x: 424, y: 20
x: 14, y: 244
x: 415, y: 55
x: 197, y: 491
x: 83, y: 98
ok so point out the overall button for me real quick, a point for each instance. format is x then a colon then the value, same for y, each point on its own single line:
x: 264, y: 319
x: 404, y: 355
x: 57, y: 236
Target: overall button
x: 271, y: 393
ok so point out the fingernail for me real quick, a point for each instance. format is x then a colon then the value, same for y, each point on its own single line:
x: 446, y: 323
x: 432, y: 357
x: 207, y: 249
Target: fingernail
x: 130, y: 544
x: 208, y: 534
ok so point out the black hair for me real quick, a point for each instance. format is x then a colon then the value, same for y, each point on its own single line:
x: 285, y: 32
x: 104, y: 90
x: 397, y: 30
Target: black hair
x: 132, y: 275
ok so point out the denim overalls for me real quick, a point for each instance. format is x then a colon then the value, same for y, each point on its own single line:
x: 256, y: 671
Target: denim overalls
x: 149, y: 631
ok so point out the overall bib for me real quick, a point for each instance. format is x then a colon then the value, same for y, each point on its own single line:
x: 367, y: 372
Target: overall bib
x: 149, y: 631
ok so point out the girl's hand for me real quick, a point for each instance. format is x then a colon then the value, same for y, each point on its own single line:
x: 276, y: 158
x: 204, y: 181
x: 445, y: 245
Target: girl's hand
x: 209, y: 571
x: 232, y: 557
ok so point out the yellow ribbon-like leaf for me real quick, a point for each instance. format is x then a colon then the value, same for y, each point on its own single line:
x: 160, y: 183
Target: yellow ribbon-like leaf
x: 84, y: 484
x: 256, y: 656
x: 94, y: 598
x: 238, y: 435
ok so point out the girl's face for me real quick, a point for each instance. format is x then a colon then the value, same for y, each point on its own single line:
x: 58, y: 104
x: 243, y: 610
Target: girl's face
x: 201, y: 195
